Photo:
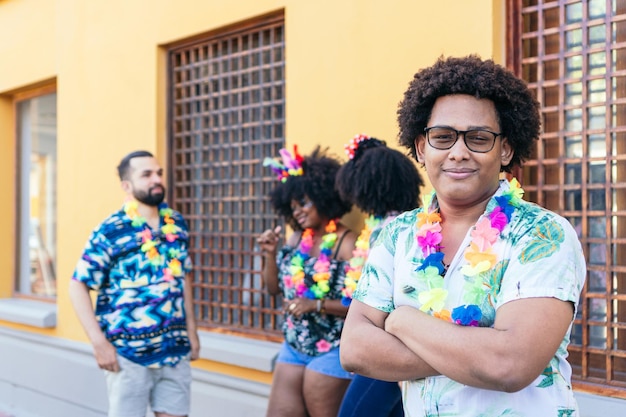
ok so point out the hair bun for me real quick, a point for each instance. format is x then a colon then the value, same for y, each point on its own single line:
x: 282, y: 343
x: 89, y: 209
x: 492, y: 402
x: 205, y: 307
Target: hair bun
x: 360, y: 143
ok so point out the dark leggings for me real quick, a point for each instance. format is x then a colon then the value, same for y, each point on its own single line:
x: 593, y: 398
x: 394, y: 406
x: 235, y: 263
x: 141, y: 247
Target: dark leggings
x: 367, y: 397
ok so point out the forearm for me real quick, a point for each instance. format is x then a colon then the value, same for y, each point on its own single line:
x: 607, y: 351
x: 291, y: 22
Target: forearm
x: 190, y: 315
x: 270, y: 273
x: 369, y: 350
x: 81, y: 301
x: 506, y: 357
x: 377, y: 354
x: 333, y: 307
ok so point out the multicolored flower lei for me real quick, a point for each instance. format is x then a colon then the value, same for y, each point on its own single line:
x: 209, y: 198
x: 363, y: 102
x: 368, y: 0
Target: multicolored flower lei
x: 359, y: 256
x: 320, y: 286
x: 479, y: 255
x: 169, y: 261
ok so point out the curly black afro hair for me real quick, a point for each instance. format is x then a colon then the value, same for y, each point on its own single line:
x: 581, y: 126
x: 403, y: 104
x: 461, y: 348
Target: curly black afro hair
x: 379, y: 180
x: 317, y: 183
x: 517, y: 109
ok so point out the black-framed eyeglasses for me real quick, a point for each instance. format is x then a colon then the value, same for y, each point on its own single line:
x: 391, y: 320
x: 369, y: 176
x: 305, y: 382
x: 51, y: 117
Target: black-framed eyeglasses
x: 476, y: 140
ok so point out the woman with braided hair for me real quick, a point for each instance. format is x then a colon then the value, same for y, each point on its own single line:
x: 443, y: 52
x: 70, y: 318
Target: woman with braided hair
x: 309, y: 271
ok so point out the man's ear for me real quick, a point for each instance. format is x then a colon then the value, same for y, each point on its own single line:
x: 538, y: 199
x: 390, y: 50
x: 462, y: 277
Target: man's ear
x: 420, y: 143
x: 506, y: 152
x: 127, y: 186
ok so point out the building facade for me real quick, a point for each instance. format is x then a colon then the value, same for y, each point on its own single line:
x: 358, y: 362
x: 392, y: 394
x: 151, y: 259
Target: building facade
x: 214, y: 87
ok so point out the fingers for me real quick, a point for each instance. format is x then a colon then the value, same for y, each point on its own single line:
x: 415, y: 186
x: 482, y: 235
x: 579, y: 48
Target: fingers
x: 269, y: 237
x: 110, y: 366
x: 299, y: 306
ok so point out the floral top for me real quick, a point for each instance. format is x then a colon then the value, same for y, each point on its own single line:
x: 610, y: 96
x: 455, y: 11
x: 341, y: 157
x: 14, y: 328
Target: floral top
x: 311, y: 333
x: 140, y: 311
x: 539, y: 255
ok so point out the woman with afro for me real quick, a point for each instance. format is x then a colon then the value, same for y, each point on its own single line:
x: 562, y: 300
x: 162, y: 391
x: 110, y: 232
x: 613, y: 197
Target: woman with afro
x: 382, y: 182
x: 309, y: 272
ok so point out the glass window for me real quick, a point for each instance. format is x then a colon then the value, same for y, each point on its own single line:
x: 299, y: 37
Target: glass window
x: 37, y: 189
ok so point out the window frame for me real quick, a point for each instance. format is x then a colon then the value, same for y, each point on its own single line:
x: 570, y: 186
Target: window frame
x: 16, y: 307
x: 218, y: 299
x: 603, y: 378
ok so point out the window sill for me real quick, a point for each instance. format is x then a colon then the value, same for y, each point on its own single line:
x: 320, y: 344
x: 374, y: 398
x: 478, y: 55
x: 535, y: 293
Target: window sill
x: 239, y: 351
x: 30, y: 312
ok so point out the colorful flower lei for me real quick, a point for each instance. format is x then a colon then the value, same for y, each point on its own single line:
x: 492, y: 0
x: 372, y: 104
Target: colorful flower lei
x: 479, y: 255
x: 320, y: 286
x: 169, y: 262
x: 290, y: 166
x: 359, y: 256
x: 352, y: 146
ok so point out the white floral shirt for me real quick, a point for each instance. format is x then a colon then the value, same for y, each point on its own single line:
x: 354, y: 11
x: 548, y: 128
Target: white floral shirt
x: 539, y: 255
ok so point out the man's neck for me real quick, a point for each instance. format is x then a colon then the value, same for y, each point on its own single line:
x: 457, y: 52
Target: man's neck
x: 150, y: 213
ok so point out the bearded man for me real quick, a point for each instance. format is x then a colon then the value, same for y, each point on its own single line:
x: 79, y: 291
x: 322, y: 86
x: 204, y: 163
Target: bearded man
x: 143, y: 329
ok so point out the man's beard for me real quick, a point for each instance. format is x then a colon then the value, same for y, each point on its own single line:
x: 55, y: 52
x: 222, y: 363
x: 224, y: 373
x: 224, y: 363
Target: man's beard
x: 153, y: 197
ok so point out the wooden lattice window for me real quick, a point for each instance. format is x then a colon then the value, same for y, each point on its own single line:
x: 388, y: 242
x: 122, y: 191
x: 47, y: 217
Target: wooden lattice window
x: 573, y: 55
x: 226, y: 113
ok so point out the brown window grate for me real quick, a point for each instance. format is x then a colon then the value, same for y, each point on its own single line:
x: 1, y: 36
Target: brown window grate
x: 573, y: 56
x: 227, y: 112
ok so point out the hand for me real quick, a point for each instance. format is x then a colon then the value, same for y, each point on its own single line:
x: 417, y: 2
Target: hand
x: 393, y: 320
x: 106, y: 356
x: 194, y: 341
x: 299, y: 306
x: 268, y: 240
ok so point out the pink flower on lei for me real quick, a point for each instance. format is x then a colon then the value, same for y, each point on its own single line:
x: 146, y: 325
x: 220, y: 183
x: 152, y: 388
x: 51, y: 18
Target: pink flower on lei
x: 484, y: 235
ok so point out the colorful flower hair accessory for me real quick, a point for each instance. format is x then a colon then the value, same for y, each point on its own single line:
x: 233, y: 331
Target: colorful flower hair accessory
x: 290, y: 166
x: 353, y: 145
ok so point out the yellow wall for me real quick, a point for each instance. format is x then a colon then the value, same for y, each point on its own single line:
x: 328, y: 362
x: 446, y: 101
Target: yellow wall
x: 347, y: 65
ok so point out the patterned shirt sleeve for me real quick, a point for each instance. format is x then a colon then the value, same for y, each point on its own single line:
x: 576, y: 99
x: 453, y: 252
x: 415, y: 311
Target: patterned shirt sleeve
x: 93, y: 266
x: 546, y: 261
x: 375, y: 287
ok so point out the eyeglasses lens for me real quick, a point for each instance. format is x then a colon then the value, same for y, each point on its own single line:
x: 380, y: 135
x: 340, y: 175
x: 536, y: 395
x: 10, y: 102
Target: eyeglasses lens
x: 476, y: 140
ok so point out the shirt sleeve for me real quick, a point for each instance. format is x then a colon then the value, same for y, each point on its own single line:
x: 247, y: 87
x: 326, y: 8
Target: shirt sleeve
x: 375, y: 286
x: 94, y: 265
x: 547, y: 261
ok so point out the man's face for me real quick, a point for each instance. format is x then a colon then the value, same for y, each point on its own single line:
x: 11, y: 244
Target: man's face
x: 145, y: 181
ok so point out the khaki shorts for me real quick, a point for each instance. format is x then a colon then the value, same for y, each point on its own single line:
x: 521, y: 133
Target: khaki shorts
x: 134, y: 387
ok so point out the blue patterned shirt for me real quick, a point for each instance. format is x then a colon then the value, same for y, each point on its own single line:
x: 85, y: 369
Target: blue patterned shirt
x: 140, y: 311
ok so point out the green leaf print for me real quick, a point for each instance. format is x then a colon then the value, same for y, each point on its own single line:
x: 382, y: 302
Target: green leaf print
x: 547, y: 238
x: 488, y: 284
x: 548, y: 379
x: 565, y: 412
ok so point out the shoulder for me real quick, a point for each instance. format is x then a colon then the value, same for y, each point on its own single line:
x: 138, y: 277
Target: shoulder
x: 347, y: 239
x: 400, y: 227
x: 402, y: 222
x: 293, y: 239
x: 177, y: 216
x: 543, y: 221
x: 112, y: 224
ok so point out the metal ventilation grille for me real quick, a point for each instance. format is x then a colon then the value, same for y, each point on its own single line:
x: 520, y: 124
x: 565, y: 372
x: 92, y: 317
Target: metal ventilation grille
x: 227, y: 112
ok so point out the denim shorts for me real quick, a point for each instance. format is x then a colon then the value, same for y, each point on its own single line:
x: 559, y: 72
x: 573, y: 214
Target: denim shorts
x: 134, y: 387
x: 327, y: 363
